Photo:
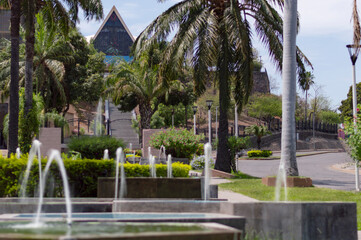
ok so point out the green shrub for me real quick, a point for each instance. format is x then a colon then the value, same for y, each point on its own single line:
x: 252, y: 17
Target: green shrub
x: 82, y: 175
x: 180, y: 143
x: 199, y: 162
x: 259, y: 153
x: 92, y: 147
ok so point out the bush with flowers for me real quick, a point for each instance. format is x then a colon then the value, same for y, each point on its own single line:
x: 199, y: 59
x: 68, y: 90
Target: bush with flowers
x: 180, y: 143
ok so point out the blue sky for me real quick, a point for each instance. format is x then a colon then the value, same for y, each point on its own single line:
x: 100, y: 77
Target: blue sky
x: 325, y: 31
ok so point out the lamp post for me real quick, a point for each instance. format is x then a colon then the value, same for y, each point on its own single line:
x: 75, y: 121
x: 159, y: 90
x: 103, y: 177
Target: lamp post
x: 172, y: 117
x: 353, y: 50
x: 209, y: 105
x: 216, y: 122
x: 194, y: 119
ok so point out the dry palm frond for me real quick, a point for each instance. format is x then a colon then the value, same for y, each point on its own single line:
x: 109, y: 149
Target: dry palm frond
x: 356, y: 26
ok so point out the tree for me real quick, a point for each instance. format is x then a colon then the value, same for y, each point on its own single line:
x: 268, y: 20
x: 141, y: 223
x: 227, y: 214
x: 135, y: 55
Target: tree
x: 141, y: 85
x: 306, y: 80
x: 288, y: 138
x: 14, y: 83
x: 265, y: 107
x: 55, y: 13
x: 216, y: 36
x: 329, y: 117
x: 346, y: 105
x: 259, y: 131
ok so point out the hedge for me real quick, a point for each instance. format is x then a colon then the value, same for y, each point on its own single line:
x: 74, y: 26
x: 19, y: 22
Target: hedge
x: 259, y: 153
x: 92, y: 147
x: 82, y: 175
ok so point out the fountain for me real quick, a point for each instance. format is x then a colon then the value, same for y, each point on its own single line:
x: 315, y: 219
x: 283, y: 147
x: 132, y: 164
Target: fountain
x: 281, y: 180
x: 162, y: 155
x: 106, y: 154
x: 35, y: 149
x: 120, y: 160
x: 18, y: 153
x: 169, y: 166
x: 208, y: 155
x: 55, y: 155
x: 152, y: 168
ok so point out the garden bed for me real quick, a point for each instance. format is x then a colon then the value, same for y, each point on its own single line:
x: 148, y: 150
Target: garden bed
x: 291, y: 181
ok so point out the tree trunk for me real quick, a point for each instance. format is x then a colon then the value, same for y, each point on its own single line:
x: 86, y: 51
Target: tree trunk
x: 223, y: 162
x: 14, y: 83
x: 306, y: 108
x: 29, y: 48
x: 288, y: 142
x: 259, y: 142
x: 146, y: 113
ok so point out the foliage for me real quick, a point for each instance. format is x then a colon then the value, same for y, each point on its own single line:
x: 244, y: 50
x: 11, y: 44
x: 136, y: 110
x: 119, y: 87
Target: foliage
x: 346, y: 105
x: 180, y: 143
x: 93, y: 147
x: 137, y: 151
x: 82, y: 175
x: 330, y: 117
x: 353, y: 130
x: 259, y: 153
x: 265, y: 106
x: 235, y: 145
x: 198, y: 163
x: 217, y: 35
x: 29, y: 124
x: 258, y: 131
x: 137, y: 170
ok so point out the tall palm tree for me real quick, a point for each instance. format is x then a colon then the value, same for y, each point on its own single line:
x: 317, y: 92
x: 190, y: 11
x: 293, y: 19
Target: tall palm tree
x: 288, y: 139
x: 144, y: 85
x: 55, y: 12
x: 216, y: 34
x: 14, y: 85
x: 306, y: 81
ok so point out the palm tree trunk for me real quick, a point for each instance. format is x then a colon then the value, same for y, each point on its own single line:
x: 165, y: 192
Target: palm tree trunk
x: 146, y: 113
x: 29, y: 47
x: 223, y: 162
x: 288, y: 142
x: 306, y: 107
x: 14, y: 83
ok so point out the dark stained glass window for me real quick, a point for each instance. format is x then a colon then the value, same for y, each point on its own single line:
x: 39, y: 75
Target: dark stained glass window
x: 113, y: 39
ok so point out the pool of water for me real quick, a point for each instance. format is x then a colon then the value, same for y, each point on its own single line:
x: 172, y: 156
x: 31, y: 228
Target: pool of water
x: 125, y: 216
x: 93, y: 228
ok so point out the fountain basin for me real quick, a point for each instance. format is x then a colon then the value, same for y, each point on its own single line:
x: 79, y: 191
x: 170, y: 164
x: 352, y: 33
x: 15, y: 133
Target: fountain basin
x: 185, y: 188
x: 102, y: 230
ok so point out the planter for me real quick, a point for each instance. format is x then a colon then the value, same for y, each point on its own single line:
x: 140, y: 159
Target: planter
x: 185, y: 188
x: 291, y: 181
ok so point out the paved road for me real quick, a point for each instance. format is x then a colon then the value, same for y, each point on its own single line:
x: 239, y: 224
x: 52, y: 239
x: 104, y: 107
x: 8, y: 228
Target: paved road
x: 317, y: 167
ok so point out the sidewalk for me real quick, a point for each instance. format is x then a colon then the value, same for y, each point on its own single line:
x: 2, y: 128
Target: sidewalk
x: 229, y: 195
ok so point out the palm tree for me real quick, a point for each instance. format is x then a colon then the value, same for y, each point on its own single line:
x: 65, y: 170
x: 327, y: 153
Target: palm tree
x: 143, y: 84
x: 258, y: 131
x: 306, y: 81
x: 288, y: 139
x: 14, y: 84
x: 55, y: 13
x: 216, y: 34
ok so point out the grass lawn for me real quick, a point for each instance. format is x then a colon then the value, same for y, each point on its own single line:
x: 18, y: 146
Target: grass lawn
x: 255, y: 189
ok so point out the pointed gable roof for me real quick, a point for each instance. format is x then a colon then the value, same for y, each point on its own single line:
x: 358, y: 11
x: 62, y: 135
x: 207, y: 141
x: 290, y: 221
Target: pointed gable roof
x: 113, y: 37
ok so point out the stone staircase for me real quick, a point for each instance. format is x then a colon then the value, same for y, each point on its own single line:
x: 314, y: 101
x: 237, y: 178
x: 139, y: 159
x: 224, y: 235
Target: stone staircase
x: 121, y: 126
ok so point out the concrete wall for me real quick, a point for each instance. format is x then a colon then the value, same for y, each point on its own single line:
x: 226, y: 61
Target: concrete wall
x: 297, y: 220
x: 50, y: 138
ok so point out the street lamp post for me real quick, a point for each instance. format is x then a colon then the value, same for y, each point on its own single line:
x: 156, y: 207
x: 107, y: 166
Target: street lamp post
x: 209, y: 105
x: 194, y: 118
x: 354, y: 51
